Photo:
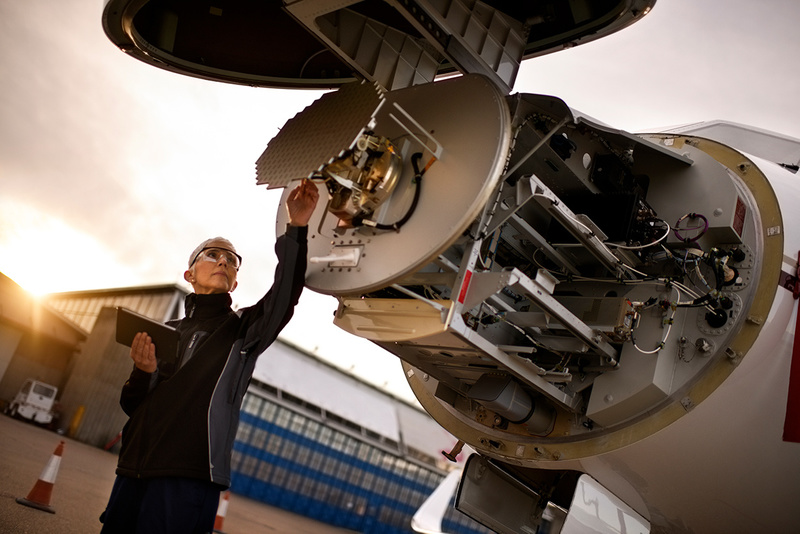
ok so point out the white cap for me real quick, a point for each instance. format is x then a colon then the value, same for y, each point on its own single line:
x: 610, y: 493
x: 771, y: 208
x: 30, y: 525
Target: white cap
x: 206, y: 243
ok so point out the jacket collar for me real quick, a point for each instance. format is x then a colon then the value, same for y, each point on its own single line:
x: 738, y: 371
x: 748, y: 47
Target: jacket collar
x: 207, y: 306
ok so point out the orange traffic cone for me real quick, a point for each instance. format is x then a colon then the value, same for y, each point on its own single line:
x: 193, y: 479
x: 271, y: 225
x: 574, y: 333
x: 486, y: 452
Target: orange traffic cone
x: 39, y: 496
x: 221, y: 511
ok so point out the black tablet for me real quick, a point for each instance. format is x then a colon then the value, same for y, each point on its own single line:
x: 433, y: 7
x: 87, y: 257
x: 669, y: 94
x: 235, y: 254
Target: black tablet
x: 165, y: 337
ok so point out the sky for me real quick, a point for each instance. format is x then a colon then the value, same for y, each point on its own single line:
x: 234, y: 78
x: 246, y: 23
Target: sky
x: 111, y: 171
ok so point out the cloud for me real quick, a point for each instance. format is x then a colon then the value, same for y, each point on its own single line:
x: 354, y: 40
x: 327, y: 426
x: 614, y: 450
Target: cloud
x: 684, y: 62
x: 139, y: 158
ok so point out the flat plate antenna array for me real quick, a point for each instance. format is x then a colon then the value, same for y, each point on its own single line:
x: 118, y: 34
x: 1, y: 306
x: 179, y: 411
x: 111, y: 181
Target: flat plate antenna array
x: 336, y: 119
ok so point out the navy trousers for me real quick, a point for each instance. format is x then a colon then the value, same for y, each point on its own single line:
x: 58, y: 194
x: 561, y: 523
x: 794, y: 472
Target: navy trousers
x: 161, y: 505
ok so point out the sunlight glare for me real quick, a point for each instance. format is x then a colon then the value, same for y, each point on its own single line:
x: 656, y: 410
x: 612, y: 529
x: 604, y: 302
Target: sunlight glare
x: 44, y: 254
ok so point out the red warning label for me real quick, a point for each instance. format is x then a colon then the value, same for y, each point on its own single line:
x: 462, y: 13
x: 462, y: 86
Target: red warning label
x: 464, y: 287
x: 738, y: 217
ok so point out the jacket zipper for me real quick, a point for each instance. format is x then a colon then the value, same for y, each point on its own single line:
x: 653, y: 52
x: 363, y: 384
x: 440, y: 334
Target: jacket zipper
x: 189, y: 352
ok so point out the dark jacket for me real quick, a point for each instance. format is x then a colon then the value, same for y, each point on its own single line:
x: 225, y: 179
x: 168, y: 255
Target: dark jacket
x: 183, y: 420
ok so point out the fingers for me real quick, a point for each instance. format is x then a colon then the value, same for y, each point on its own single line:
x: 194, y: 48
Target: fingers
x: 295, y: 193
x: 313, y: 192
x: 143, y: 352
x: 301, y: 202
x: 306, y: 190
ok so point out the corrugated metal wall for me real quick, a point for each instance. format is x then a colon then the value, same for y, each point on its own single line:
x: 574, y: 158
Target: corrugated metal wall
x: 90, y: 397
x: 95, y: 384
x: 162, y: 304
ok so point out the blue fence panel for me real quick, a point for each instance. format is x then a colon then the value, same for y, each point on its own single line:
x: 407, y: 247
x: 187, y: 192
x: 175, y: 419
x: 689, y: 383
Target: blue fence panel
x: 308, y: 472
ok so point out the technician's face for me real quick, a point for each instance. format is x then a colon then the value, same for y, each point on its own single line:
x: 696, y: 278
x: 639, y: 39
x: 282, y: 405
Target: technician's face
x: 214, y: 270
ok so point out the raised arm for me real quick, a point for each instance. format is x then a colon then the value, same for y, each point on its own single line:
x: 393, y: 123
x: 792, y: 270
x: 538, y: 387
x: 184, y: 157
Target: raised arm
x: 267, y: 318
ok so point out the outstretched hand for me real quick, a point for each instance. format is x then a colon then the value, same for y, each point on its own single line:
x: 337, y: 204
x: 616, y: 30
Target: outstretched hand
x: 143, y: 353
x: 301, y: 203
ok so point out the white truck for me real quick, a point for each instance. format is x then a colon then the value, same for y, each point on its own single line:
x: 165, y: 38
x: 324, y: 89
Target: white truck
x: 34, y: 402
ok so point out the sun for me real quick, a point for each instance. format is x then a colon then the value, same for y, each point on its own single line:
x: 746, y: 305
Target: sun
x: 45, y: 254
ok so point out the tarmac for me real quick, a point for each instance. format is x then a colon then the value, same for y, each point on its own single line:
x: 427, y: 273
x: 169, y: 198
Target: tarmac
x: 83, y: 483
